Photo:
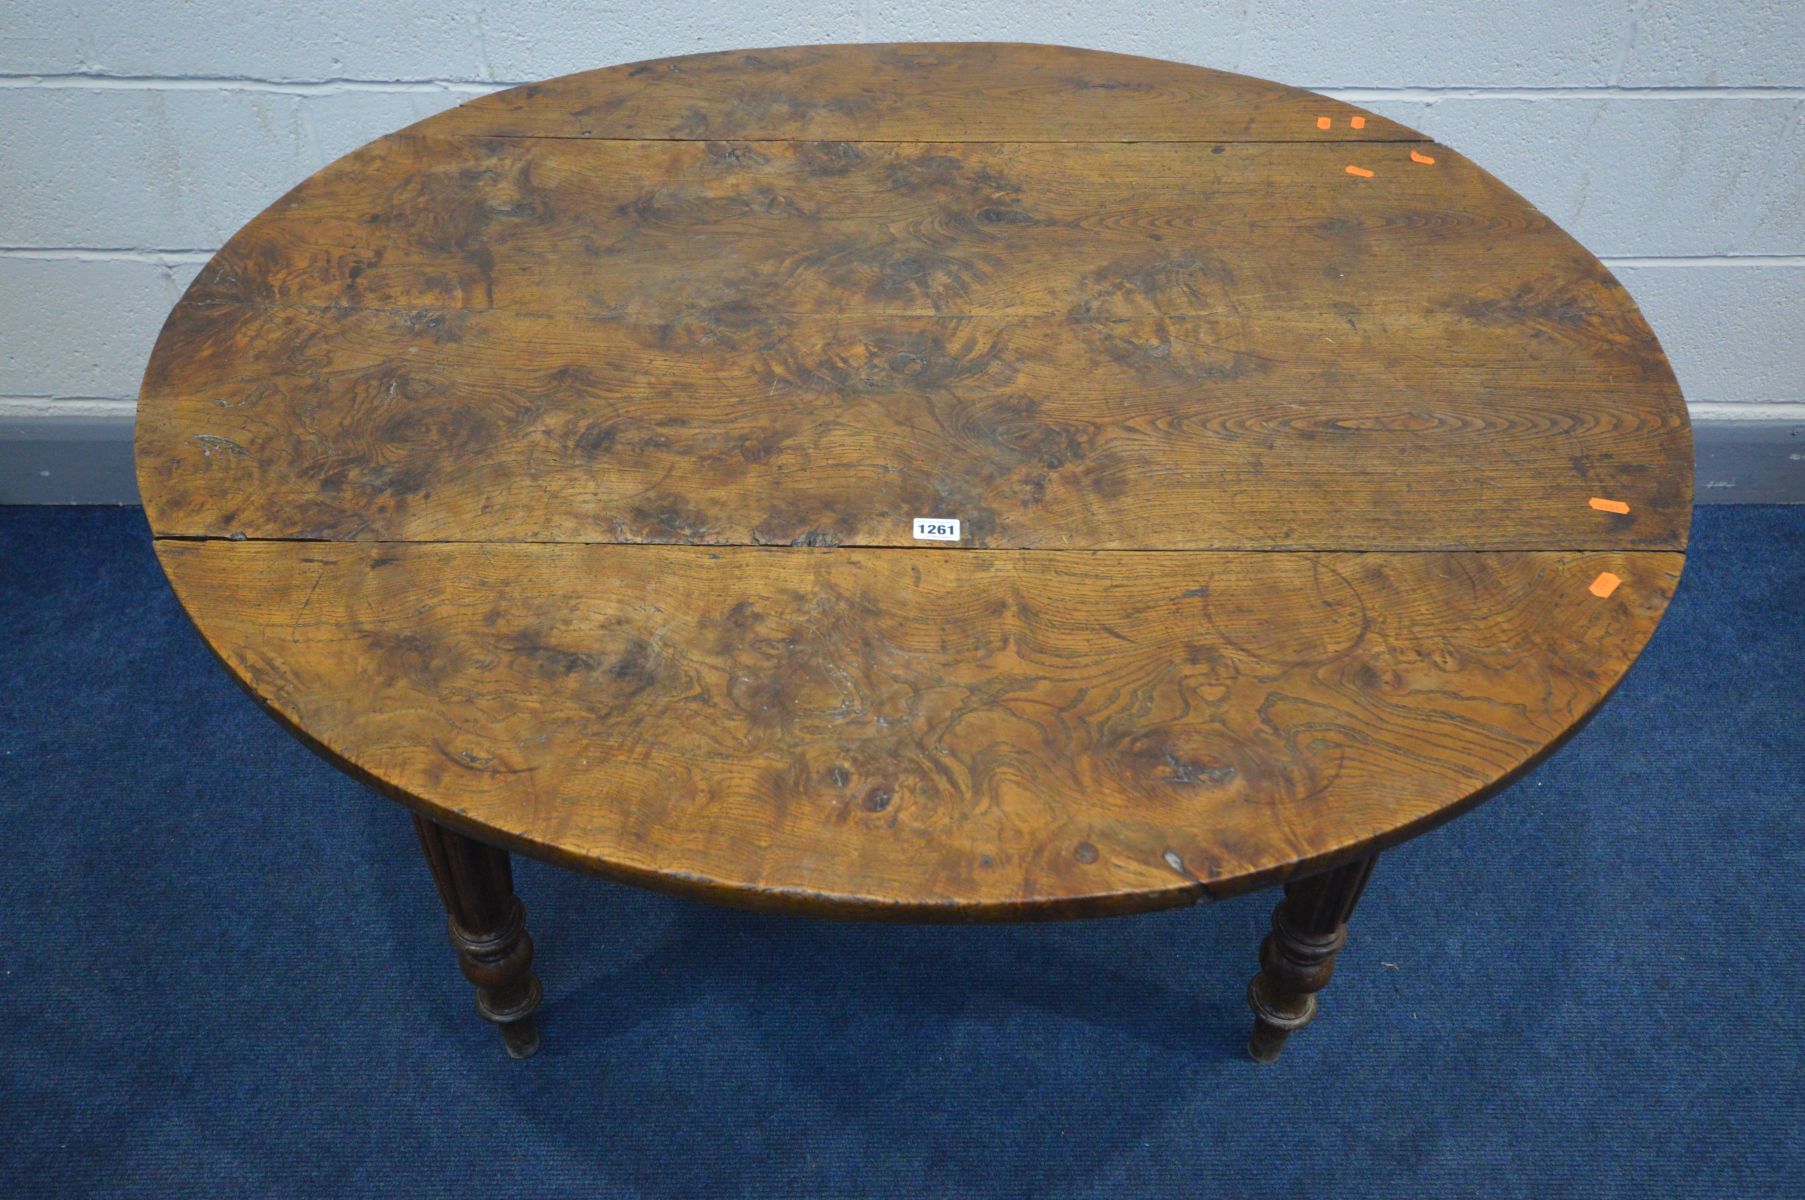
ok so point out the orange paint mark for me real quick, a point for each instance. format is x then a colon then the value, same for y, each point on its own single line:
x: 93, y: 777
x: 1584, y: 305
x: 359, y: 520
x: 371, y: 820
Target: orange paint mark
x: 1422, y: 158
x: 1604, y: 585
x: 1358, y: 122
x: 1323, y: 122
x: 1616, y: 506
x: 1360, y: 171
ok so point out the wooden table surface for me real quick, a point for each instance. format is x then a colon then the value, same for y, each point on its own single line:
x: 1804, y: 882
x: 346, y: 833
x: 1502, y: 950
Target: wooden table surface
x: 553, y: 464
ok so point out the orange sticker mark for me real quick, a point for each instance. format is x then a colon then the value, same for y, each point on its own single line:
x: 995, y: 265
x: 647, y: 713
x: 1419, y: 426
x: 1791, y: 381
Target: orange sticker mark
x: 1616, y: 506
x: 1358, y: 122
x: 1323, y: 122
x: 1360, y: 171
x: 1604, y: 585
x: 1422, y: 158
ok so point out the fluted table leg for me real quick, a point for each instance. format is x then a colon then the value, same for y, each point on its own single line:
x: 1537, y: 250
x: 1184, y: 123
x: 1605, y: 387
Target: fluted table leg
x: 1297, y: 958
x: 488, y: 927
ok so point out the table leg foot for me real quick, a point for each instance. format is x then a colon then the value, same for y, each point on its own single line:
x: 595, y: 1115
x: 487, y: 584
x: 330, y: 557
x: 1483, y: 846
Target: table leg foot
x: 1298, y: 957
x: 487, y: 924
x: 521, y: 1038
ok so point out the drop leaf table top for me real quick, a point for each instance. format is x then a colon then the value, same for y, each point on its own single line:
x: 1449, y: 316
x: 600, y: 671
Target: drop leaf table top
x: 555, y: 464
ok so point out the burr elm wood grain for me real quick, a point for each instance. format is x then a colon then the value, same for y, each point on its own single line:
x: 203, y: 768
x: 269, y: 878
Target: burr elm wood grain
x: 551, y: 465
x: 1167, y: 432
x: 900, y: 733
x: 699, y: 231
x: 778, y: 342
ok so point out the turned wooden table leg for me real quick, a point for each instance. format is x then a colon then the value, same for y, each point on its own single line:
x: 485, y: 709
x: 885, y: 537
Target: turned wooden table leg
x: 1297, y: 958
x: 488, y: 927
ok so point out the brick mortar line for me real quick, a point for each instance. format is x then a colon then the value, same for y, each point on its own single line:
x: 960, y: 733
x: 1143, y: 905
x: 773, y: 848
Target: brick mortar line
x: 107, y: 254
x: 228, y: 83
x: 1702, y: 260
x: 1354, y: 92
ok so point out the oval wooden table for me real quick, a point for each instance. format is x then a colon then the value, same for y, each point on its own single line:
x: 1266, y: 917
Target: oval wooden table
x: 950, y: 482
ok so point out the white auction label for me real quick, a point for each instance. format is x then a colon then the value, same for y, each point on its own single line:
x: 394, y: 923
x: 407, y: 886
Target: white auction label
x: 937, y: 529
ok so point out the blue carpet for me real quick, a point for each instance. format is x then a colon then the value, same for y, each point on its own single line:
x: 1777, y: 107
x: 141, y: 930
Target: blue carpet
x: 224, y: 972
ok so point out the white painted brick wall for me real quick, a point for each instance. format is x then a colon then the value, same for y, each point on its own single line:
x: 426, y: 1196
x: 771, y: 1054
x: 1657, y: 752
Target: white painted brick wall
x: 1635, y: 178
x: 75, y: 327
x: 1668, y: 135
